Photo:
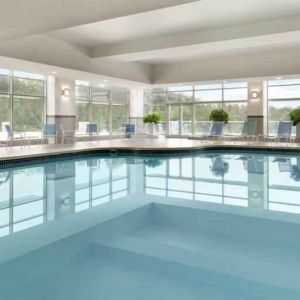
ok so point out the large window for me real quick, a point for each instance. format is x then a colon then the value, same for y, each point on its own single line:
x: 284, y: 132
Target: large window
x: 107, y: 107
x: 22, y: 100
x: 188, y: 107
x: 155, y: 102
x: 283, y: 96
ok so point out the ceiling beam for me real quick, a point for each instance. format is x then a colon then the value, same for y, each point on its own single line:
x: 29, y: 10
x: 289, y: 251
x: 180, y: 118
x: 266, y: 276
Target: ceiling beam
x: 193, y: 41
x: 27, y: 17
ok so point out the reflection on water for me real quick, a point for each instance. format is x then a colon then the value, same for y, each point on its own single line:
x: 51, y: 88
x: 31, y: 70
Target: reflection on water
x: 33, y: 195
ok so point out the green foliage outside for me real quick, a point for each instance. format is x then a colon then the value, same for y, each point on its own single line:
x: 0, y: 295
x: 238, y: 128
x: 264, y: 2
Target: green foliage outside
x: 97, y: 109
x: 219, y: 115
x: 295, y: 116
x: 27, y: 100
x: 152, y: 118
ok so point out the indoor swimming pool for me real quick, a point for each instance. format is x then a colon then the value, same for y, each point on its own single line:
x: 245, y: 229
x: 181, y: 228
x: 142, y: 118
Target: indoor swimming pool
x: 210, y: 225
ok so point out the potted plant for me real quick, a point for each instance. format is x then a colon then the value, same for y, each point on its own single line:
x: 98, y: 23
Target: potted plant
x: 295, y: 118
x: 152, y: 120
x: 219, y: 115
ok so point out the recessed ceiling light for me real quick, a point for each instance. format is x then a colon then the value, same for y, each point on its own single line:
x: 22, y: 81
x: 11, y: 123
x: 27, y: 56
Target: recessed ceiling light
x: 278, y: 78
x: 54, y: 72
x: 105, y: 80
x: 225, y: 81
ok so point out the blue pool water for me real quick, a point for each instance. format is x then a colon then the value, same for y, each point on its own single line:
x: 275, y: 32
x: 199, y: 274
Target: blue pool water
x: 216, y: 225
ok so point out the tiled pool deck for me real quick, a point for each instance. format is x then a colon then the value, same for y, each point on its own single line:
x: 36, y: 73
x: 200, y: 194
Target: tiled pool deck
x: 147, y: 145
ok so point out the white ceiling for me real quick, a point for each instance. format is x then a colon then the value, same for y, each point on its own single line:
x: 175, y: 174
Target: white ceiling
x: 126, y: 39
x: 242, y: 46
x: 199, y: 15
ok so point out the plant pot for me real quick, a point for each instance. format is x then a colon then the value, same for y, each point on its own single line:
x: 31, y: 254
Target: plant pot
x: 297, y: 133
x: 151, y: 128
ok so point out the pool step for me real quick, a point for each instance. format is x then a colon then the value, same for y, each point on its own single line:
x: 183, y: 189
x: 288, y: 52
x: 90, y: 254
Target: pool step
x: 272, y: 271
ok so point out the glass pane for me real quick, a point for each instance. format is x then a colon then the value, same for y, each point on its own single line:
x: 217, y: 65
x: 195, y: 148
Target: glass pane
x: 28, y: 75
x: 119, y: 95
x: 237, y: 115
x: 187, y: 116
x: 4, y: 111
x: 202, y: 112
x: 235, y: 94
x: 98, y: 91
x: 100, y: 115
x: 4, y: 72
x: 28, y: 113
x: 101, y: 99
x: 209, y: 86
x: 82, y: 115
x: 208, y: 95
x: 235, y: 85
x: 156, y: 90
x: 155, y: 99
x: 80, y: 83
x: 29, y: 87
x: 180, y: 97
x: 174, y: 120
x: 180, y: 88
x: 279, y: 111
x: 82, y: 92
x: 284, y: 92
x: 119, y: 116
x: 4, y: 84
x: 284, y: 82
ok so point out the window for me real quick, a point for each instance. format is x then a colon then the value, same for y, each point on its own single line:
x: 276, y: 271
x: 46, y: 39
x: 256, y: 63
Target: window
x: 202, y: 111
x: 155, y: 102
x: 22, y: 100
x: 283, y: 96
x: 196, y: 103
x: 119, y: 99
x: 107, y: 107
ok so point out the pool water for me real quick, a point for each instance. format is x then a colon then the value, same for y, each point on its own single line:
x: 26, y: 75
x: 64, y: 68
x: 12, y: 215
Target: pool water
x: 216, y: 225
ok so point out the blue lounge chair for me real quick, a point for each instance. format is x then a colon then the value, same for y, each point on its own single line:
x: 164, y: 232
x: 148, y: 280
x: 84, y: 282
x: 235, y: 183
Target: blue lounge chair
x: 14, y: 136
x: 248, y: 131
x: 128, y: 130
x: 49, y: 131
x: 284, y: 132
x: 92, y: 129
x: 216, y: 130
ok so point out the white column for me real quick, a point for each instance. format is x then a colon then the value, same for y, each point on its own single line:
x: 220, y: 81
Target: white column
x: 136, y: 107
x: 61, y: 108
x: 256, y: 105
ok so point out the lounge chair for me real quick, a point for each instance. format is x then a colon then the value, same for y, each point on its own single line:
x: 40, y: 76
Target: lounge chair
x: 128, y: 130
x: 92, y: 129
x: 49, y: 131
x: 67, y: 134
x: 14, y: 136
x: 216, y: 130
x: 284, y: 132
x: 248, y: 131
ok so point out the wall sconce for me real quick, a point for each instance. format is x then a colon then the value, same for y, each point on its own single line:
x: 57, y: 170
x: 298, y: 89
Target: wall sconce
x: 66, y: 92
x: 254, y: 95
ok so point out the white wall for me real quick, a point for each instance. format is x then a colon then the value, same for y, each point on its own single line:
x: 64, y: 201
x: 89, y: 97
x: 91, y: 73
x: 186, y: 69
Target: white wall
x: 256, y: 106
x: 57, y: 104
